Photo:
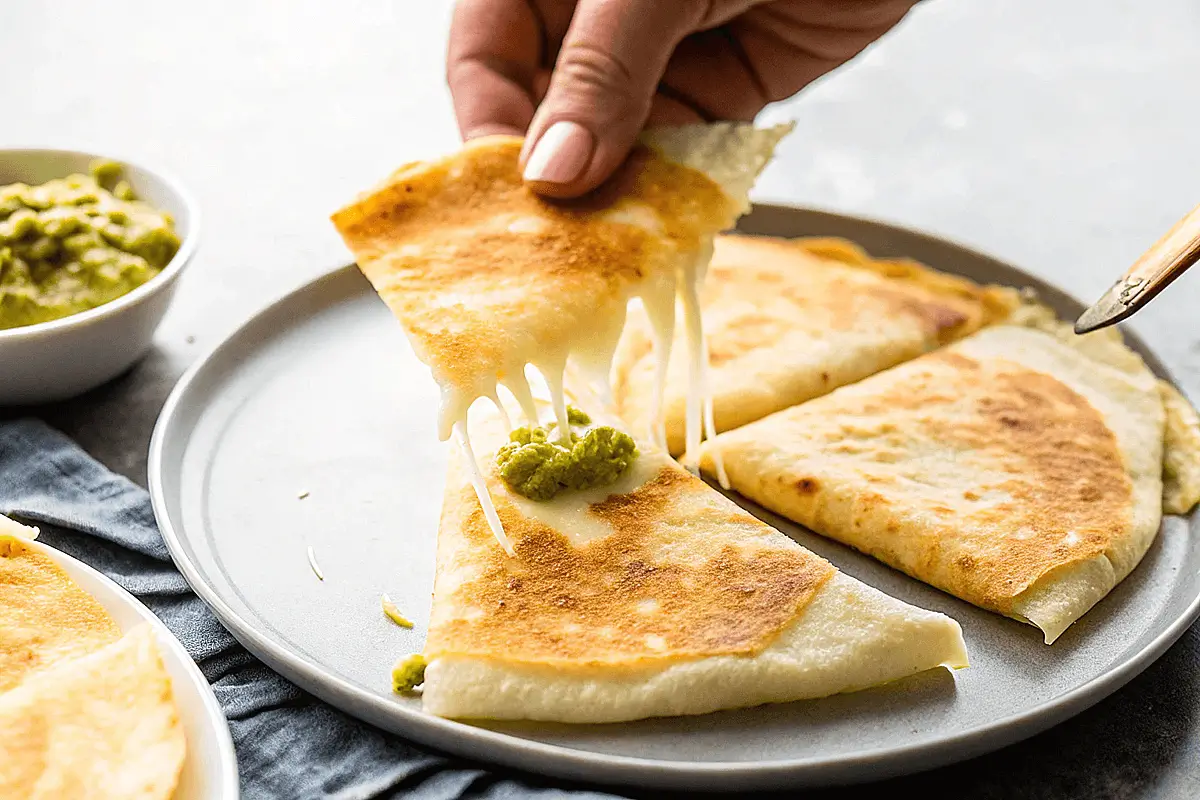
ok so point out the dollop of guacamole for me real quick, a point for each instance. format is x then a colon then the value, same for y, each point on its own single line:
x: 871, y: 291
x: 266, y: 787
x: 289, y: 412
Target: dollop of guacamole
x: 75, y: 243
x: 408, y: 673
x: 538, y: 464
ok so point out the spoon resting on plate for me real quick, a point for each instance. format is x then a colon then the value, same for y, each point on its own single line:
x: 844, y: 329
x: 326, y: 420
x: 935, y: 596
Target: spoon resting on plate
x: 1165, y: 261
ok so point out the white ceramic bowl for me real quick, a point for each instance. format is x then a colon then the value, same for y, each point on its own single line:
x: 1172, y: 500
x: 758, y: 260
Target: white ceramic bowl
x: 65, y: 357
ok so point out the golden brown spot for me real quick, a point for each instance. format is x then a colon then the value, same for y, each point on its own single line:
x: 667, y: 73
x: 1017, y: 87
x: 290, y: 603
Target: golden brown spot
x: 942, y: 318
x: 839, y: 250
x: 807, y: 486
x: 599, y: 602
x: 958, y: 361
x: 744, y: 334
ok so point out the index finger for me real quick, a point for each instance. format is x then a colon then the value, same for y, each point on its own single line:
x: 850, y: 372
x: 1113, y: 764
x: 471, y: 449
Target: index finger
x: 491, y: 66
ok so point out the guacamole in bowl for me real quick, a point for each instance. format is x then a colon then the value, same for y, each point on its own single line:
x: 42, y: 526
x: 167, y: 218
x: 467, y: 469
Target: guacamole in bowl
x: 93, y: 253
x: 74, y: 243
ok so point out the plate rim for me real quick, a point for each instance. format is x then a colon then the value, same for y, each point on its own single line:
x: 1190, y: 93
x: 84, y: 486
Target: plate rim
x: 618, y: 770
x: 228, y: 786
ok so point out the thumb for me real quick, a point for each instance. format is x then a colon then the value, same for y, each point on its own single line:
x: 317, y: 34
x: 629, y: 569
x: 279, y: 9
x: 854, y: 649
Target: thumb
x: 612, y: 58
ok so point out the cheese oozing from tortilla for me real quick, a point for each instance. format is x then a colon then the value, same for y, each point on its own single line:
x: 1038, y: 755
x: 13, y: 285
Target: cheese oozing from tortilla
x: 488, y: 278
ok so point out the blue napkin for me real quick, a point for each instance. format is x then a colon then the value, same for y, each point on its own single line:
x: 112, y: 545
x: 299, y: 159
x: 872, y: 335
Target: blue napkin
x: 289, y: 744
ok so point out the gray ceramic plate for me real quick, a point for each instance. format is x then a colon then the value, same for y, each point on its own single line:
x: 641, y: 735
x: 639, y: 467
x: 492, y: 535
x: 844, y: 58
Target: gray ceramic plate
x: 320, y: 393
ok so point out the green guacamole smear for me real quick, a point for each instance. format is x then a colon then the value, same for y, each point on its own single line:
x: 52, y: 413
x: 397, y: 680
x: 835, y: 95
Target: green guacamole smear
x: 537, y: 464
x: 408, y: 673
x: 75, y: 243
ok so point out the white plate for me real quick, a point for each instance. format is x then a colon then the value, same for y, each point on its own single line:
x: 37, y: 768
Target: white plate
x: 321, y: 393
x: 210, y: 769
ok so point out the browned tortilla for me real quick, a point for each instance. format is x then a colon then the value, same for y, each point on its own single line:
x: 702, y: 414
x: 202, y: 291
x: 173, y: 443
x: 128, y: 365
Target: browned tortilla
x: 685, y: 573
x: 485, y: 275
x: 1010, y: 469
x: 44, y: 616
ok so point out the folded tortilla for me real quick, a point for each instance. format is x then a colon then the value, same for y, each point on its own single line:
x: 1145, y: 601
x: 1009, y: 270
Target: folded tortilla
x: 44, y: 616
x: 100, y: 726
x: 651, y: 597
x: 1020, y: 469
x: 790, y: 320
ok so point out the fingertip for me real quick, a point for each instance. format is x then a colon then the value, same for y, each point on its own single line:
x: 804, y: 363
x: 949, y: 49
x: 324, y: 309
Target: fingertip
x: 491, y: 129
x: 561, y: 155
x: 606, y: 161
x: 557, y: 191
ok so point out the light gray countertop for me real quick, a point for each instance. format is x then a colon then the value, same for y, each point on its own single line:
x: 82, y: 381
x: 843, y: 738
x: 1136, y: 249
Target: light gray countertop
x: 1058, y: 136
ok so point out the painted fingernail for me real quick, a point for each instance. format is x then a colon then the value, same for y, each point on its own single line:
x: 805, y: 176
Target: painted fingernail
x: 561, y: 155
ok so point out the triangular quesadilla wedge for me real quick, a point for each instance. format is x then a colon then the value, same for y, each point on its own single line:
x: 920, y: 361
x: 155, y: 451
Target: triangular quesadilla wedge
x: 487, y: 277
x: 100, y: 726
x: 1019, y: 469
x: 787, y: 320
x: 653, y: 596
x: 44, y: 617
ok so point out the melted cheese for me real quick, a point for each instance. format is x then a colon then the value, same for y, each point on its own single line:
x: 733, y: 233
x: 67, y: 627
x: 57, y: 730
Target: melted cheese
x: 590, y: 352
x: 495, y: 398
x: 699, y: 405
x: 570, y: 513
x: 518, y: 385
x: 427, y: 216
x: 475, y: 475
x: 660, y: 311
x: 694, y: 330
x: 592, y: 357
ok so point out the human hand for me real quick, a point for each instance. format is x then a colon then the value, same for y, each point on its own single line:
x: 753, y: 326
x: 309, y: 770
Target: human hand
x: 581, y: 78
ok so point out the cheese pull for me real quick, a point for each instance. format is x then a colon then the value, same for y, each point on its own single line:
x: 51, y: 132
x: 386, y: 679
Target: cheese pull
x: 488, y: 278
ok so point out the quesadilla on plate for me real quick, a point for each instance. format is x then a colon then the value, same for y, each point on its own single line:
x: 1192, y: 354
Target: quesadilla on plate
x: 487, y: 277
x: 44, y: 616
x: 787, y: 320
x: 1020, y: 469
x: 100, y: 726
x: 652, y: 596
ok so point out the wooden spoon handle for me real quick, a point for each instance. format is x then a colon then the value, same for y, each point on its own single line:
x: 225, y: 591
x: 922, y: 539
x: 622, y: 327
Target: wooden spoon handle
x: 1165, y: 261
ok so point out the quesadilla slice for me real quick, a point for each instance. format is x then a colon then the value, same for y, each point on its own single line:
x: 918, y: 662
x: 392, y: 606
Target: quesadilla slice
x: 44, y: 617
x: 1019, y: 469
x: 789, y: 320
x: 1181, y: 452
x: 100, y: 726
x: 487, y: 277
x: 652, y: 596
